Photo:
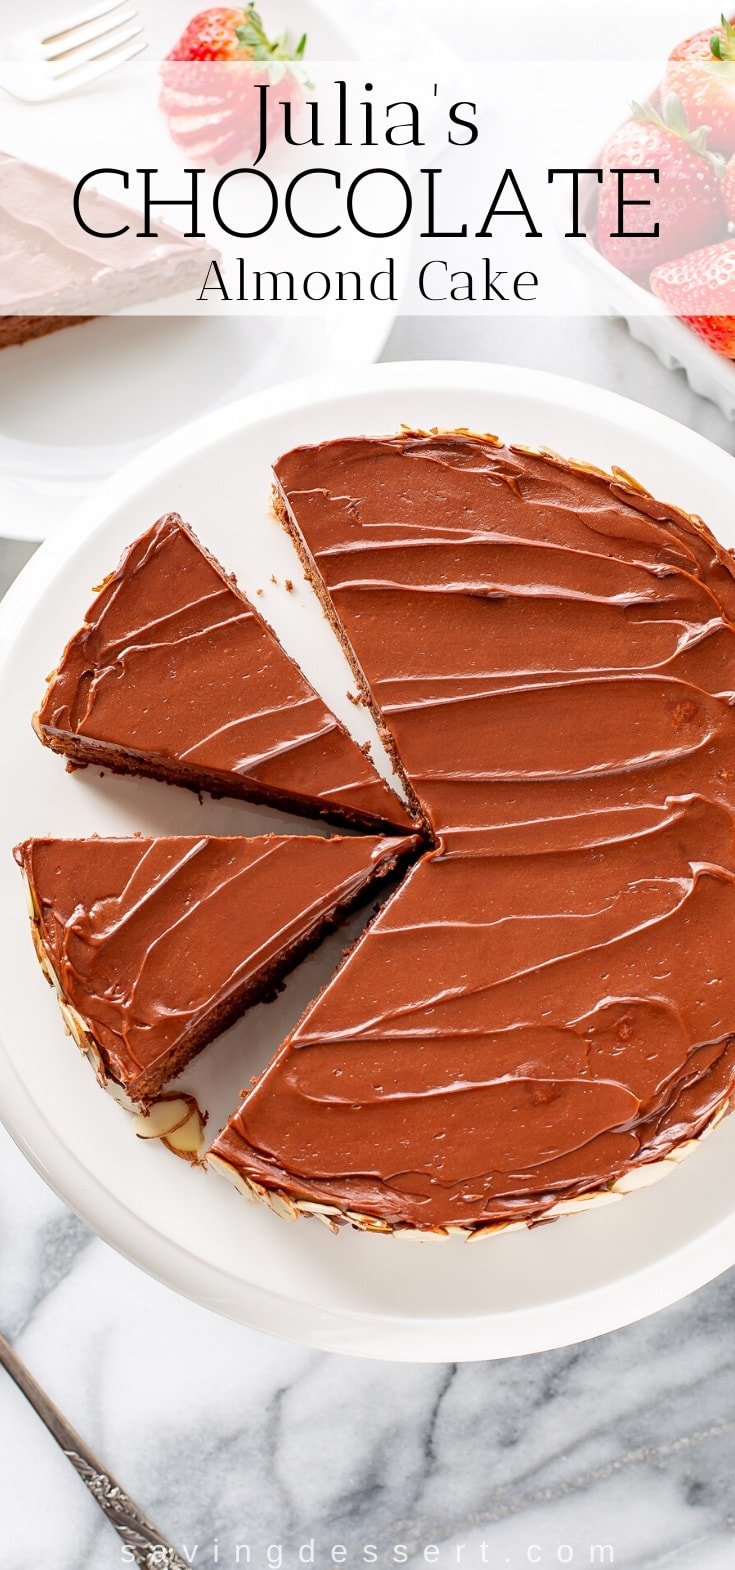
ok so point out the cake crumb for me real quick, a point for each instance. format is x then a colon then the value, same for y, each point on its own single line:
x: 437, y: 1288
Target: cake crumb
x: 288, y: 585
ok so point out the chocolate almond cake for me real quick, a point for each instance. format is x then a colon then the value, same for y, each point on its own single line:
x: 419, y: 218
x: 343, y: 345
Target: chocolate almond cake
x: 156, y: 945
x: 175, y: 675
x: 53, y: 274
x: 543, y: 1015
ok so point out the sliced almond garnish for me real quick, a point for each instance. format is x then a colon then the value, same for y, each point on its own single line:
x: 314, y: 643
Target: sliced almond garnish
x: 187, y: 1140
x: 177, y: 1122
x: 163, y: 1117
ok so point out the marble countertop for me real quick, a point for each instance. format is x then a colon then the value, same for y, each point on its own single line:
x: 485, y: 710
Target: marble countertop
x: 624, y: 1446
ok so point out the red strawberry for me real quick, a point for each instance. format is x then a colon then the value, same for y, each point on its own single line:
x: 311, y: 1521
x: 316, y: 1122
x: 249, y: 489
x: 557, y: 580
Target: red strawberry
x: 700, y: 72
x: 686, y: 202
x: 210, y: 79
x: 700, y: 288
x: 212, y: 35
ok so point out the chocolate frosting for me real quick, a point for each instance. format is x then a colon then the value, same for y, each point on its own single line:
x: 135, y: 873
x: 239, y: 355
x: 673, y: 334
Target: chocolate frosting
x: 541, y: 641
x: 175, y: 674
x: 157, y: 942
x: 549, y: 999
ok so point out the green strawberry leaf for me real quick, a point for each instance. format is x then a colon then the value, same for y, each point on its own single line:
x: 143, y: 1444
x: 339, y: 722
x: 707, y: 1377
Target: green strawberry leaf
x: 722, y: 46
x: 251, y: 35
x: 673, y: 120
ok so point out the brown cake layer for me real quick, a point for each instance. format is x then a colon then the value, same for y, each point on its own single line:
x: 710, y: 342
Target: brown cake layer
x: 549, y: 1002
x: 175, y: 675
x: 157, y: 945
x: 52, y: 270
x: 20, y: 329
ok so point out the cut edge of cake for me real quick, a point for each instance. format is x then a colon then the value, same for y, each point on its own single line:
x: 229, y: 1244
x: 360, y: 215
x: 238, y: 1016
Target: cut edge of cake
x: 285, y: 517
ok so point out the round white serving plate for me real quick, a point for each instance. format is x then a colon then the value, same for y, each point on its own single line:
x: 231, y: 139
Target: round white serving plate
x: 354, y: 1293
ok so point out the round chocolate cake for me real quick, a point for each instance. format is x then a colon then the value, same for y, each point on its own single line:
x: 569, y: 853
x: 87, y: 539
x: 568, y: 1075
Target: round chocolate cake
x: 541, y: 1017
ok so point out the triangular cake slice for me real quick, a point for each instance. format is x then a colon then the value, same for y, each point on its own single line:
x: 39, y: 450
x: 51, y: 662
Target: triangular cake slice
x: 156, y: 945
x: 55, y: 273
x: 175, y: 675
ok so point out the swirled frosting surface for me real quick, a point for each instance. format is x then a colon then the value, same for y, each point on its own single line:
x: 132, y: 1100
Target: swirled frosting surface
x: 540, y: 641
x: 174, y: 671
x: 549, y: 999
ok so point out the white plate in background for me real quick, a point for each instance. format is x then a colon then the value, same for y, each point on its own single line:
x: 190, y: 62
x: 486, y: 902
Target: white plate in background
x: 379, y: 1297
x: 76, y: 405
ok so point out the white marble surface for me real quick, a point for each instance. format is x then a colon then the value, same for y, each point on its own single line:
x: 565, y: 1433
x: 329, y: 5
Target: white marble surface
x: 227, y: 1436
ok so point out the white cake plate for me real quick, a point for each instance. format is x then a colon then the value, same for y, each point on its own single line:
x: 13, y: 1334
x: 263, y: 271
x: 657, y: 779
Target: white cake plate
x: 353, y: 1293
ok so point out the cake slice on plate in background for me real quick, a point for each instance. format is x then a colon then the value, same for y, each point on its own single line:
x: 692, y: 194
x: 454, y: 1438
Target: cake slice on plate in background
x: 54, y: 274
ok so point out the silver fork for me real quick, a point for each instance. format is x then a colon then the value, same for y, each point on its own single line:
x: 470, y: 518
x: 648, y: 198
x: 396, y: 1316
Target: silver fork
x: 141, y: 1538
x: 49, y: 61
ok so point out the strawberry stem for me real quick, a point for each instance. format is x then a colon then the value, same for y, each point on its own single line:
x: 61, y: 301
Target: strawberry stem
x: 722, y: 44
x: 251, y: 34
x: 673, y: 120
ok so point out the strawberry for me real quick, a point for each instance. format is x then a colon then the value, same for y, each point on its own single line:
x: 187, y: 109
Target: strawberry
x: 211, y: 35
x: 686, y: 202
x: 700, y: 288
x: 210, y: 79
x: 700, y: 72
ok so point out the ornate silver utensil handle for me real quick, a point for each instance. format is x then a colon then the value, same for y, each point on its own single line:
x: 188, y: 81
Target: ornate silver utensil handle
x: 146, y: 1547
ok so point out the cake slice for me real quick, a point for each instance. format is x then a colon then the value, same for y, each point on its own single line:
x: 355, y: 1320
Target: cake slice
x: 54, y: 274
x: 156, y: 945
x: 175, y: 675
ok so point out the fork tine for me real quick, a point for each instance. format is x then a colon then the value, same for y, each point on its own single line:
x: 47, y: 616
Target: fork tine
x: 82, y: 75
x: 91, y: 14
x: 78, y: 37
x: 106, y: 46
